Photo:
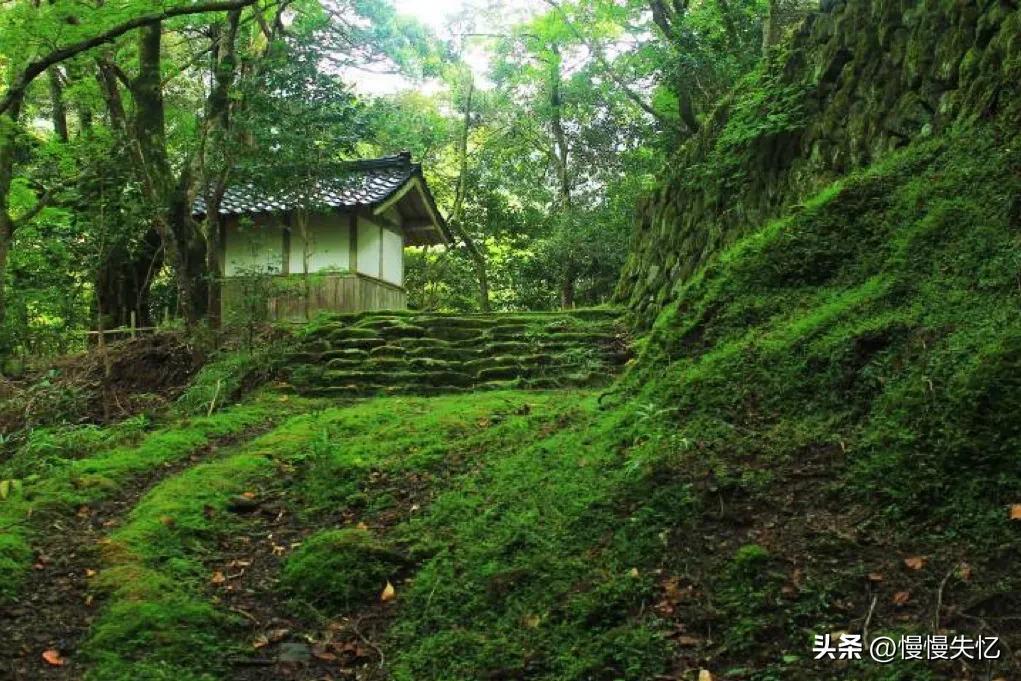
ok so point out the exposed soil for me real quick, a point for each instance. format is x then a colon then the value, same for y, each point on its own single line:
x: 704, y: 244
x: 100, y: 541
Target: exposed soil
x: 57, y: 605
x: 289, y: 640
x: 886, y: 581
x: 144, y: 373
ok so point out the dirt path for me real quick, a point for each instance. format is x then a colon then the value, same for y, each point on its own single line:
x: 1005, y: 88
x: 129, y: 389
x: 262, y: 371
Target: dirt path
x: 56, y: 606
x: 289, y: 642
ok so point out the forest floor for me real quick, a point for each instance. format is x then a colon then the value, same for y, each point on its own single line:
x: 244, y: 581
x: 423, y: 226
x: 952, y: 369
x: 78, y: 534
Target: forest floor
x: 59, y: 605
x: 820, y: 438
x: 487, y: 536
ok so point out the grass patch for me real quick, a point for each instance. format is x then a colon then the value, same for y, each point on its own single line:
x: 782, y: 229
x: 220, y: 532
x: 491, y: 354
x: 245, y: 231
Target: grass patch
x: 72, y: 482
x: 342, y: 457
x: 339, y: 570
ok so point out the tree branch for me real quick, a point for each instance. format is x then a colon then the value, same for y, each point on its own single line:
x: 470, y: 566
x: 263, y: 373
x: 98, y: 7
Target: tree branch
x: 17, y: 88
x: 608, y: 69
x: 40, y: 203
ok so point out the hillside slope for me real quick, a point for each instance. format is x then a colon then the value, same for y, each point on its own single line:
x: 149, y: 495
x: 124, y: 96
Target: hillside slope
x: 819, y: 434
x: 834, y: 395
x: 855, y: 82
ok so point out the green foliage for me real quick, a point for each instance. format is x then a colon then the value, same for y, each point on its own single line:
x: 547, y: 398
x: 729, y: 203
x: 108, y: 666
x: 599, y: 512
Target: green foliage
x: 340, y: 570
x: 226, y: 377
x: 47, y: 448
x: 91, y: 476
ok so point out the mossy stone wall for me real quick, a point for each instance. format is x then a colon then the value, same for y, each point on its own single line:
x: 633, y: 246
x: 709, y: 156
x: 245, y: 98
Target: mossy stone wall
x: 855, y: 81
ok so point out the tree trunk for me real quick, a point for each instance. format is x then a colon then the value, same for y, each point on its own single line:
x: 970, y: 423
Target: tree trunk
x: 567, y: 289
x: 215, y: 178
x: 214, y: 289
x: 8, y: 133
x: 771, y: 24
x: 561, y: 148
x: 478, y: 258
x: 170, y: 200
x: 58, y: 113
x: 124, y: 279
x: 6, y: 235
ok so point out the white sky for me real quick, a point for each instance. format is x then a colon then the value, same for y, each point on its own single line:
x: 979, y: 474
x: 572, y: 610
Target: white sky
x: 438, y: 15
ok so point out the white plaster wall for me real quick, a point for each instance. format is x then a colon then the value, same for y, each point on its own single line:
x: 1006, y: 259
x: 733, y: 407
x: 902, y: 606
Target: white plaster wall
x: 253, y: 245
x: 368, y: 248
x: 393, y: 257
x: 329, y: 244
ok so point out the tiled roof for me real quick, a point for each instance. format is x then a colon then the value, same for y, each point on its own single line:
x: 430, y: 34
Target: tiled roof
x: 365, y: 183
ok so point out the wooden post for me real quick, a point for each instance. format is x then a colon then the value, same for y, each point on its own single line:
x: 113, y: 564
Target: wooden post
x: 353, y: 246
x: 132, y: 324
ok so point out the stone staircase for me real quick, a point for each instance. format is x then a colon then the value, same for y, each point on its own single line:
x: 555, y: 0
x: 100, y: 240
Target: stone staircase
x: 381, y: 353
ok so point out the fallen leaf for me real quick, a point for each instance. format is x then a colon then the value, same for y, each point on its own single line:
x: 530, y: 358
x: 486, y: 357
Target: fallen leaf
x: 1015, y: 512
x: 260, y: 641
x: 248, y: 495
x: 633, y: 572
x: 89, y: 572
x: 217, y: 578
x: 915, y: 562
x: 167, y: 521
x: 901, y: 597
x: 53, y: 657
x: 688, y: 640
x: 362, y: 526
x: 389, y: 592
x: 875, y: 577
x: 704, y: 675
x: 278, y: 635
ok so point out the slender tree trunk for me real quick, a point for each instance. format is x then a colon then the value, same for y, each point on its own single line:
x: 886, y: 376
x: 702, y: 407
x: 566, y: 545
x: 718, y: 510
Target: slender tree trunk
x: 8, y: 133
x: 170, y: 200
x: 771, y: 26
x: 6, y: 235
x: 474, y: 252
x: 215, y: 178
x: 562, y: 154
x: 306, y: 252
x: 567, y: 289
x: 561, y: 149
x: 214, y: 289
x: 58, y: 112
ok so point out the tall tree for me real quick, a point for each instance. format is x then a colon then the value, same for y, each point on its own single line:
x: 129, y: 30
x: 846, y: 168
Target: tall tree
x: 47, y: 25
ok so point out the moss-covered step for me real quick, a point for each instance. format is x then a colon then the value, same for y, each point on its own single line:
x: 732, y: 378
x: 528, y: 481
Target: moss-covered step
x: 384, y: 352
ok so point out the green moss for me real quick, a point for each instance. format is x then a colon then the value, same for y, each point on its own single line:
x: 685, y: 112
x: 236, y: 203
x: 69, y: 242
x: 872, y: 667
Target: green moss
x: 339, y: 570
x: 157, y: 615
x: 224, y: 379
x: 70, y: 484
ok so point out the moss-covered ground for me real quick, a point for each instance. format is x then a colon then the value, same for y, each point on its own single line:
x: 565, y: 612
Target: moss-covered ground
x: 822, y: 436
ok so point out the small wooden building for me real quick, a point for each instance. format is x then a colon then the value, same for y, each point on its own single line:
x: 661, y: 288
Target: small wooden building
x: 338, y: 247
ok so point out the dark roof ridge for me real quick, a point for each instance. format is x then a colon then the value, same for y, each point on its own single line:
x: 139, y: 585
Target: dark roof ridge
x: 402, y: 158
